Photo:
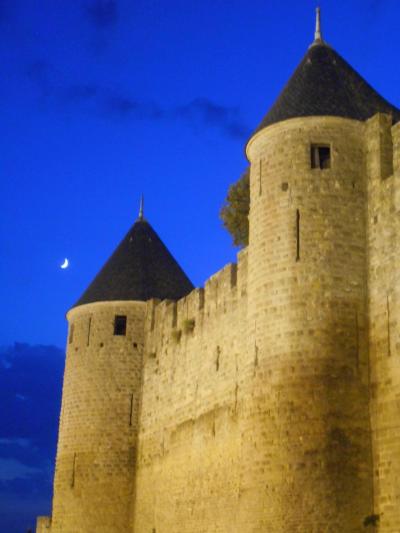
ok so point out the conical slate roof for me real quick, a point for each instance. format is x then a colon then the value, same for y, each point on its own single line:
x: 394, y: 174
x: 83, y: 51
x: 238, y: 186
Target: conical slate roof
x: 324, y: 84
x: 140, y: 268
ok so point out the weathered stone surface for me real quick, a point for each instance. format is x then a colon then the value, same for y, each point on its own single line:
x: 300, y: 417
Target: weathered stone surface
x: 383, y: 297
x: 94, y: 479
x: 269, y: 400
x: 308, y: 407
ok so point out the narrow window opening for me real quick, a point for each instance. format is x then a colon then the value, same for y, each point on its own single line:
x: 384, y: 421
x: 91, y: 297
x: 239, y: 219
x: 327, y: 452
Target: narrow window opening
x: 297, y: 235
x: 120, y: 325
x: 217, y: 358
x: 131, y: 410
x: 71, y: 334
x: 88, y: 333
x: 388, y: 325
x: 320, y: 156
x: 73, y: 471
x: 236, y: 396
x: 135, y: 344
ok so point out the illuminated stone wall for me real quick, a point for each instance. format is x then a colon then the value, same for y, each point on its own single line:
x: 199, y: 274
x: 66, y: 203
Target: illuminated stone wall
x: 267, y: 401
x: 281, y: 441
x: 189, y: 462
x: 93, y: 486
x: 307, y: 449
x: 384, y: 312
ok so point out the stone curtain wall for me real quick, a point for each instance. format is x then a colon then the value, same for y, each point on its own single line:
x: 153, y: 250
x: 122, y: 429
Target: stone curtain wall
x: 95, y: 465
x: 384, y: 310
x: 287, y: 418
x: 306, y: 452
x: 251, y: 405
x: 188, y: 476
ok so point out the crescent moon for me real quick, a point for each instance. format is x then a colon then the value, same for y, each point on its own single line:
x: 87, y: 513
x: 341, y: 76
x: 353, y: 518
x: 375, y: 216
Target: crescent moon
x: 65, y: 264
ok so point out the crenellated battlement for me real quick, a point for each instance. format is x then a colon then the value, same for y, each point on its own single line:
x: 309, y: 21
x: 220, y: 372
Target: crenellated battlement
x: 382, y: 147
x: 220, y: 294
x: 383, y: 179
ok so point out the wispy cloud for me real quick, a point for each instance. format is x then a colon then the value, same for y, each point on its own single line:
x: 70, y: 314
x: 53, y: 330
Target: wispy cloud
x: 11, y: 469
x: 30, y: 400
x: 28, y: 430
x: 200, y: 112
x: 102, y: 13
x: 25, y: 443
x: 375, y: 8
x: 124, y: 106
x: 81, y: 92
x: 208, y: 113
x: 42, y: 74
x: 6, y: 7
x: 375, y: 4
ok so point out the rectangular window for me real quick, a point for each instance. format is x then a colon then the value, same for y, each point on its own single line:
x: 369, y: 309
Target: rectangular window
x: 320, y: 156
x: 120, y: 325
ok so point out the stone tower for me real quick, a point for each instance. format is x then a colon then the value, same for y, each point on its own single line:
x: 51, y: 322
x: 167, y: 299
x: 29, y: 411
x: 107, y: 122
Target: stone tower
x: 269, y: 400
x: 308, y: 277
x: 94, y: 479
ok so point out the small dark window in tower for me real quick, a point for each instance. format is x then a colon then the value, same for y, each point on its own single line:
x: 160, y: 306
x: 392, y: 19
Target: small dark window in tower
x: 320, y: 156
x: 120, y: 325
x: 71, y: 334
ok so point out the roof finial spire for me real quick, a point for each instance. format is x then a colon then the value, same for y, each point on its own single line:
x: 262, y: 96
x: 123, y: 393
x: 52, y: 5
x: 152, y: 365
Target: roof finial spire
x: 318, y: 34
x: 141, y: 208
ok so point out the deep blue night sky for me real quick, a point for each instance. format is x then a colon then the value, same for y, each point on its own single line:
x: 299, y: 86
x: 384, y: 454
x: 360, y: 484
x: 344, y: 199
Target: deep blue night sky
x: 100, y: 101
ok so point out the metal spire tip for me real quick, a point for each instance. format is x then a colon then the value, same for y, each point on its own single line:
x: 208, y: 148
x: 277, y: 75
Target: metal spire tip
x: 318, y: 33
x: 141, y: 208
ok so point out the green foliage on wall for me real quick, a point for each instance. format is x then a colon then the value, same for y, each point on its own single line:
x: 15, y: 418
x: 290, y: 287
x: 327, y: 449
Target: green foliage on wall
x: 235, y: 212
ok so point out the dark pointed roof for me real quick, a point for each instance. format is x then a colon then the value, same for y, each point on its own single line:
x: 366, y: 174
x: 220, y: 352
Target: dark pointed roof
x: 324, y: 84
x: 140, y: 268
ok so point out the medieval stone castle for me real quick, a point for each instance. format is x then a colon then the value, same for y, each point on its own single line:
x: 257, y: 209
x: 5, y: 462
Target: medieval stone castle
x: 269, y: 401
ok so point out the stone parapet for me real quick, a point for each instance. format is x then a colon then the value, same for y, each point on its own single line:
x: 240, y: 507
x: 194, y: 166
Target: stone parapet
x: 43, y: 524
